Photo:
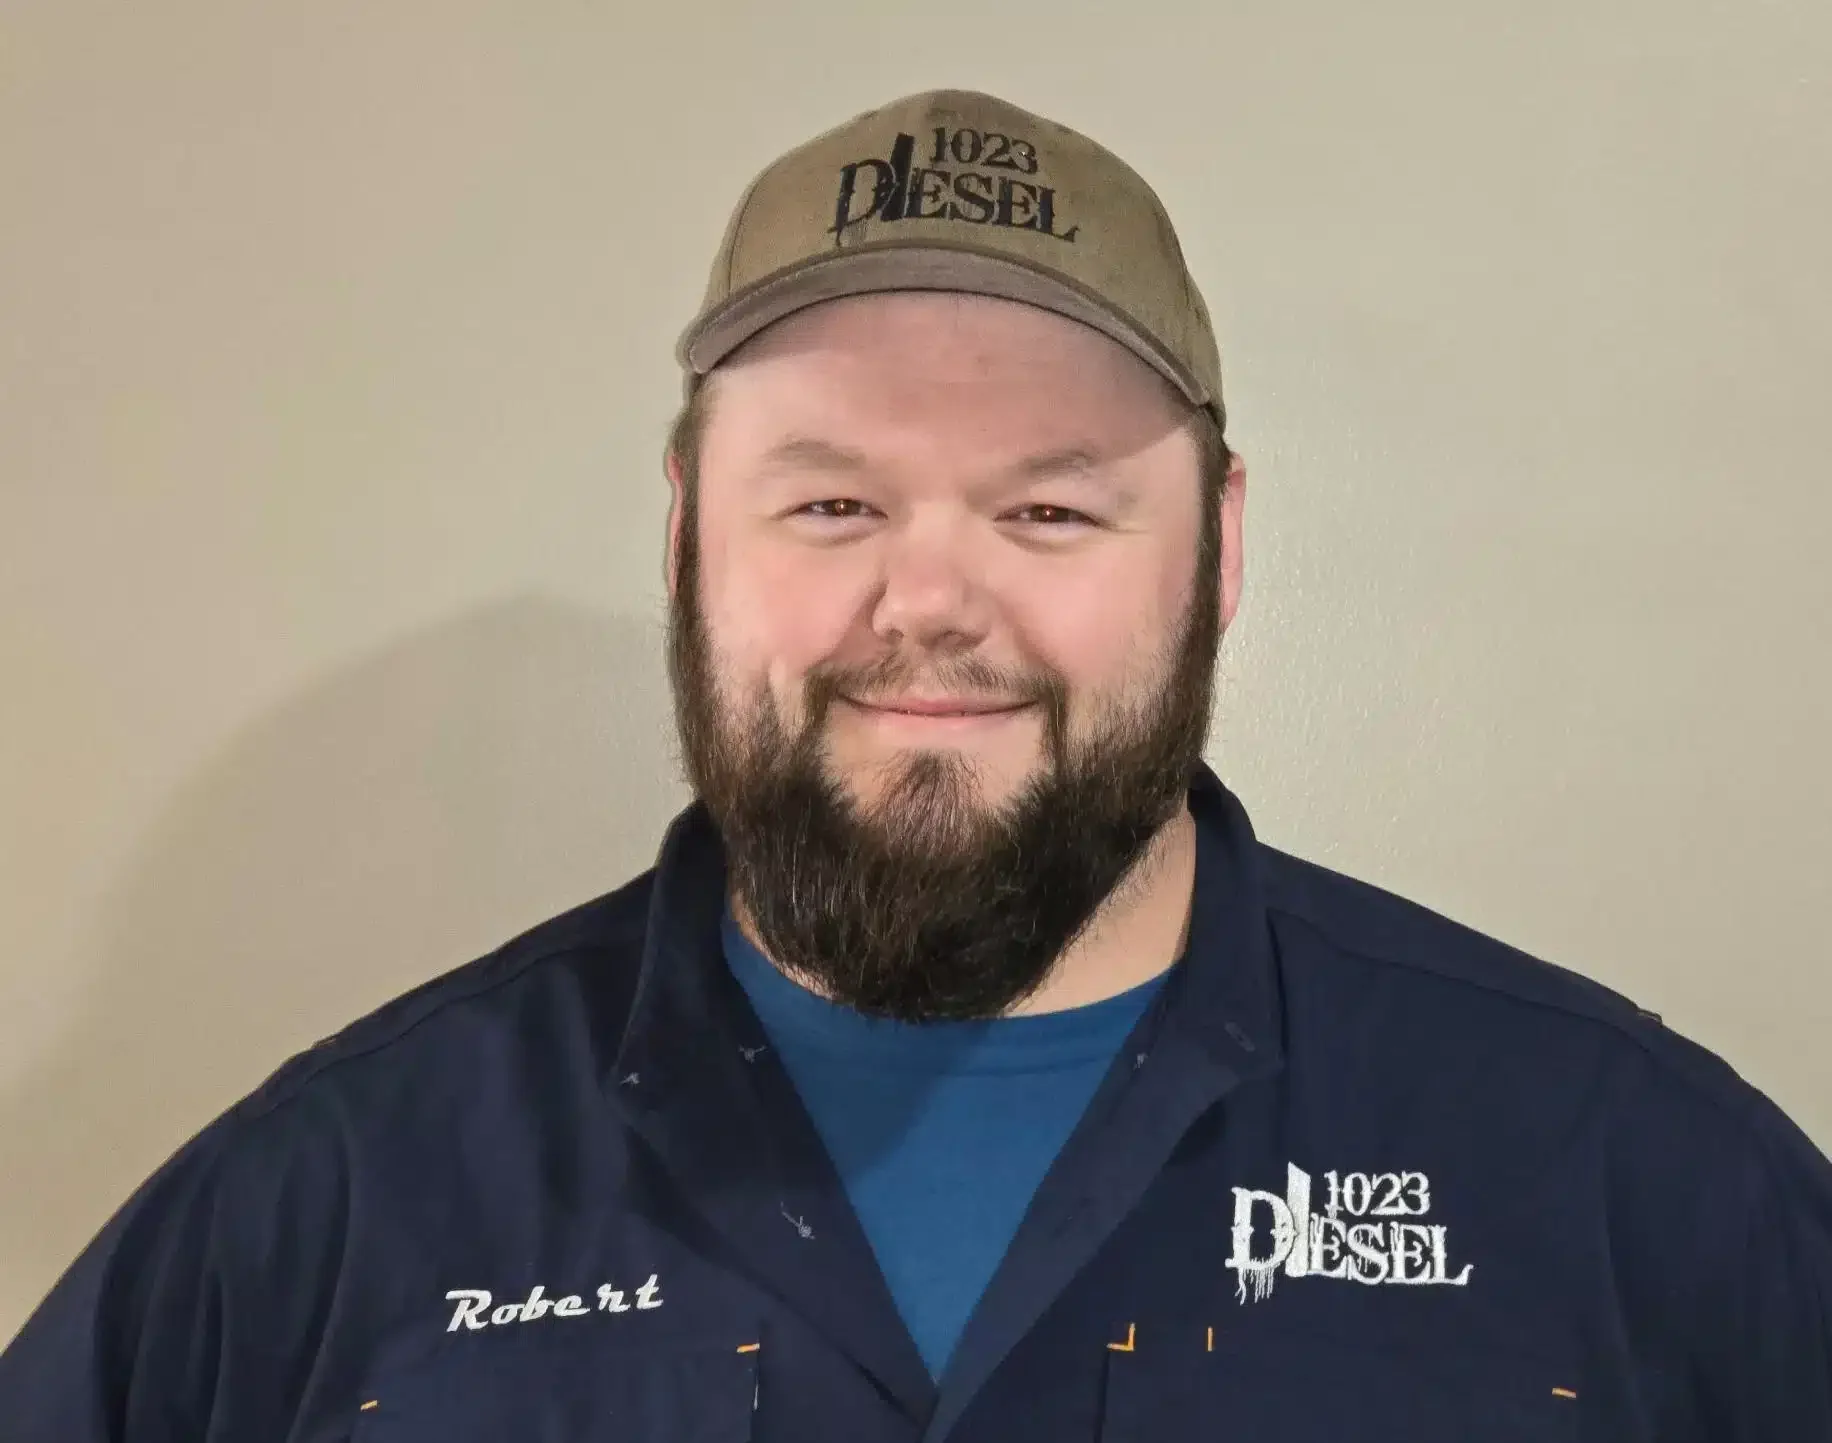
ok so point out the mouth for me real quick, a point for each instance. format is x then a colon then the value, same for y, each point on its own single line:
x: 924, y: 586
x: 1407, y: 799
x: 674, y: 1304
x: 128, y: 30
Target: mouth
x: 953, y: 711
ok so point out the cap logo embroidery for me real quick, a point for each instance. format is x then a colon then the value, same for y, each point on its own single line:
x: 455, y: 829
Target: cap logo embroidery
x: 1361, y: 1236
x: 966, y: 175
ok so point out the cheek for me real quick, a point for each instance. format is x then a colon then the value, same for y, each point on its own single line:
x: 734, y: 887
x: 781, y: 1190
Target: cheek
x: 1107, y: 632
x: 772, y: 616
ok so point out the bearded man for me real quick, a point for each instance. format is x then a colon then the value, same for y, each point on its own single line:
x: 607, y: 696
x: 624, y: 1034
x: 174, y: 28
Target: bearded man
x: 964, y: 1069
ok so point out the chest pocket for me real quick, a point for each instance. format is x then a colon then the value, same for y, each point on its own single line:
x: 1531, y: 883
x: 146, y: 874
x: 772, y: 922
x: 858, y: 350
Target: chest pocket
x: 1299, y: 1388
x: 558, y: 1389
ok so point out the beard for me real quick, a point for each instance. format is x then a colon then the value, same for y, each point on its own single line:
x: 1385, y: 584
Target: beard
x: 929, y: 904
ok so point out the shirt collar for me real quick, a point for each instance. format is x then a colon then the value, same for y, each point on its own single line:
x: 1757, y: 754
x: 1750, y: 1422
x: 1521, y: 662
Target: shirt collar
x: 1222, y: 995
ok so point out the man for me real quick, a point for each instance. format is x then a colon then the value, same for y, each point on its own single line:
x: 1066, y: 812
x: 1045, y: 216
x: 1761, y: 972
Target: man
x: 964, y: 1069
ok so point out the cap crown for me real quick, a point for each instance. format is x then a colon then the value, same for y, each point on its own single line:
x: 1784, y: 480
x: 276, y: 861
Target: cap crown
x: 958, y: 190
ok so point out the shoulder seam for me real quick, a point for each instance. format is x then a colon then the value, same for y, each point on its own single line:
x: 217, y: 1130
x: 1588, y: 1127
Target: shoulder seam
x: 255, y: 1106
x: 1738, y: 1109
x: 1386, y: 960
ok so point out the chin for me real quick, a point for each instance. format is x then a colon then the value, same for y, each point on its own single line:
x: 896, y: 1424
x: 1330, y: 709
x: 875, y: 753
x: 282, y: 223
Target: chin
x: 993, y: 782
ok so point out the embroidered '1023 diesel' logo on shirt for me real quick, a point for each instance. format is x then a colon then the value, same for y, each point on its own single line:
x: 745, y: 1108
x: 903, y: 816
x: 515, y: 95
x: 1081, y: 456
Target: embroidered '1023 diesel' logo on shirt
x: 1333, y: 1244
x: 969, y: 175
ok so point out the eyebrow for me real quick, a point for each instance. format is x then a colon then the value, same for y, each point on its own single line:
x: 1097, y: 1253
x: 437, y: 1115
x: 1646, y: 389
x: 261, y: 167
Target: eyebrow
x: 813, y: 454
x: 1070, y: 462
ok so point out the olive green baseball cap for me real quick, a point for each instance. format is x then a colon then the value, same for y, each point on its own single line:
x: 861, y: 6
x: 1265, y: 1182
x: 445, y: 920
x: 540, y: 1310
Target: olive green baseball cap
x: 954, y: 190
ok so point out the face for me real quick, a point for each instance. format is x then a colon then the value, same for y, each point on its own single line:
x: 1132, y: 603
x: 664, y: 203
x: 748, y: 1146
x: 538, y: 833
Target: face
x: 945, y: 601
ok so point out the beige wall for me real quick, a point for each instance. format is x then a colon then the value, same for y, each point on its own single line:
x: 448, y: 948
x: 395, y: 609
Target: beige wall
x: 334, y: 367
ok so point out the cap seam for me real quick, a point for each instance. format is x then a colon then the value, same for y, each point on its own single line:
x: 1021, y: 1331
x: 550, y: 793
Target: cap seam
x: 744, y: 205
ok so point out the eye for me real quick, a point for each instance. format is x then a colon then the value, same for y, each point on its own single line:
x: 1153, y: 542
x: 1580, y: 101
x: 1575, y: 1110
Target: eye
x: 835, y: 508
x: 1047, y: 513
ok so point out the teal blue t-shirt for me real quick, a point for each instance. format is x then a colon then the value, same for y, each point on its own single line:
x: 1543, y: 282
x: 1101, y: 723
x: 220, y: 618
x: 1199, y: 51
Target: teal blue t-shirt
x: 942, y: 1131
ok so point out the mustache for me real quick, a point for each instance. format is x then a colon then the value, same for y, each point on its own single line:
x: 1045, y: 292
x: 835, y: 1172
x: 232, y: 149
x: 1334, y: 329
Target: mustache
x: 965, y: 675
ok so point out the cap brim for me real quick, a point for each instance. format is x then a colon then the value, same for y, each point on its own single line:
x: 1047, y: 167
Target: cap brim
x: 901, y: 266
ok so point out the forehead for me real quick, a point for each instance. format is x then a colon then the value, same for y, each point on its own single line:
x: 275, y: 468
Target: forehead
x: 938, y: 372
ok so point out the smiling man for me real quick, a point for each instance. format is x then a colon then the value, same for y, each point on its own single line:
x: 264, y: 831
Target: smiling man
x: 945, y: 683
x: 965, y: 1068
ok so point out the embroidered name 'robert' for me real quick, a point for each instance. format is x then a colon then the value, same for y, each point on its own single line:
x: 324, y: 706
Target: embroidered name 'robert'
x: 474, y: 1311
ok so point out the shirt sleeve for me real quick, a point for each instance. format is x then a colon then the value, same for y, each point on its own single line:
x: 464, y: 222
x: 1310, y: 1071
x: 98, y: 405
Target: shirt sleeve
x: 124, y: 1349
x: 202, y: 1312
x: 1775, y: 1371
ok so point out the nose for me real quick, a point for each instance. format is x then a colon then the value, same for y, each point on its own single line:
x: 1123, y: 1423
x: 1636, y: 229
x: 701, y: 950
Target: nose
x: 930, y: 597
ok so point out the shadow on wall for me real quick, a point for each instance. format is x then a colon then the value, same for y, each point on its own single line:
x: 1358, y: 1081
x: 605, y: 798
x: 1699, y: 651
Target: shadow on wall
x: 411, y: 812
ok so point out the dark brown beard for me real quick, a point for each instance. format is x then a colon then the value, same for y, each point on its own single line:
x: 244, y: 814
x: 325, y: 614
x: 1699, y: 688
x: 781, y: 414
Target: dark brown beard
x: 929, y: 905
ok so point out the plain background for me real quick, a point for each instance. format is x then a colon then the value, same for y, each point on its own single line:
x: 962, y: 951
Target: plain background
x: 335, y: 363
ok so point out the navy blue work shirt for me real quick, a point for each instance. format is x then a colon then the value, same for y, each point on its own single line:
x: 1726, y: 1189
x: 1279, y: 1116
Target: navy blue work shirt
x: 1358, y: 1173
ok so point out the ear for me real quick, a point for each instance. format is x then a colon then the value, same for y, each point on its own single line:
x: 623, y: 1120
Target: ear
x: 671, y: 561
x: 1233, y: 507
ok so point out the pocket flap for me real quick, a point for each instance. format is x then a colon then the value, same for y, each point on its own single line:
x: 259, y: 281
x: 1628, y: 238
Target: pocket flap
x: 565, y: 1390
x: 1300, y: 1388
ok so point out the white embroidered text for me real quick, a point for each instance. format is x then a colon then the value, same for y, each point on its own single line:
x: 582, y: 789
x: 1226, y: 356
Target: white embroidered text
x: 1332, y: 1244
x: 474, y: 1310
